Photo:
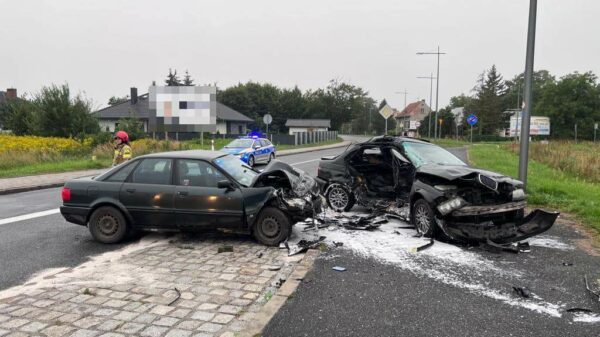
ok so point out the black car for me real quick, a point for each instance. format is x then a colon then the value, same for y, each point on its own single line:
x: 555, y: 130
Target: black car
x: 439, y: 191
x: 191, y: 190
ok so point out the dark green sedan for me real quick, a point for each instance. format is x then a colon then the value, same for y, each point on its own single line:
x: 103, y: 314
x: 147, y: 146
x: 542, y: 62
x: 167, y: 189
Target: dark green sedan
x: 191, y: 190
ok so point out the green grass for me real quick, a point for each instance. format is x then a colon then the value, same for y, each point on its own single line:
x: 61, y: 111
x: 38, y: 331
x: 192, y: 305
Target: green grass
x: 70, y: 164
x: 546, y: 187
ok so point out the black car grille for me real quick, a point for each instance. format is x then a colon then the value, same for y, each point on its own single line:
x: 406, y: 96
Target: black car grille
x: 488, y: 182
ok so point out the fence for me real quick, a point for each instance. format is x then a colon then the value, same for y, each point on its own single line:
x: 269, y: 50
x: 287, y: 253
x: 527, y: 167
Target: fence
x: 298, y: 138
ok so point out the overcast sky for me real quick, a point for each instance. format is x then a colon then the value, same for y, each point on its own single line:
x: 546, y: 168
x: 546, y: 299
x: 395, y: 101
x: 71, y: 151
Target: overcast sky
x: 102, y: 48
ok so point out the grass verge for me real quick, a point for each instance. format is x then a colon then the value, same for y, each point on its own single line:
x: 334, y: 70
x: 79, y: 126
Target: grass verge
x: 71, y: 164
x: 547, y: 187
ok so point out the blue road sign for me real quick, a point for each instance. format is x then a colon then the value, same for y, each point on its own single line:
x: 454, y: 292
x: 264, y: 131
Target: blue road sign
x: 472, y: 119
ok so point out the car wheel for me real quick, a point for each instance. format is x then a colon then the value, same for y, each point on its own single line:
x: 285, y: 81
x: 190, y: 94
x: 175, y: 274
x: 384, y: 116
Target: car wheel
x: 108, y: 225
x: 271, y: 157
x: 339, y: 198
x: 251, y: 161
x: 423, y: 218
x: 271, y: 227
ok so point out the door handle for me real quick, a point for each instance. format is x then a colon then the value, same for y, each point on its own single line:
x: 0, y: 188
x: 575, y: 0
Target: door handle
x: 130, y: 190
x: 182, y: 193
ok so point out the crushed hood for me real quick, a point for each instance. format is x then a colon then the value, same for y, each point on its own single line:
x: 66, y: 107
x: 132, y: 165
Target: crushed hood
x: 452, y: 172
x: 302, y: 184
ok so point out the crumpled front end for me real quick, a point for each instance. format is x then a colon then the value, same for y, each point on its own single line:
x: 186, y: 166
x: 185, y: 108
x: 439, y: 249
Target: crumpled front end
x: 501, y: 228
x: 296, y: 192
x: 477, y: 207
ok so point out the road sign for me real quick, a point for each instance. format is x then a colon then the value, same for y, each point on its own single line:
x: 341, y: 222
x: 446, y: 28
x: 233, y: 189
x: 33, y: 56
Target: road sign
x: 268, y: 119
x: 386, y: 111
x: 595, y: 126
x: 472, y: 119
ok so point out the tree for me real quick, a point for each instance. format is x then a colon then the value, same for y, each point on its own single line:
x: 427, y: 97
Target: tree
x: 172, y: 79
x: 18, y: 116
x: 117, y: 100
x: 574, y: 99
x: 59, y: 115
x: 515, y: 88
x: 488, y: 106
x: 187, y: 79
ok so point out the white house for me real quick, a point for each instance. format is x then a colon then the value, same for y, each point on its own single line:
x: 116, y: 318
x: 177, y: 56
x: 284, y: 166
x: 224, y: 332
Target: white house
x: 307, y: 125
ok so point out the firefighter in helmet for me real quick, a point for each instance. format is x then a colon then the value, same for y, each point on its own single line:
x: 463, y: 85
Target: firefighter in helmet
x: 123, y: 151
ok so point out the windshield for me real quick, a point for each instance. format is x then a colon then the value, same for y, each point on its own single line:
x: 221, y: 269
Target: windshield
x: 241, y: 143
x: 421, y: 154
x: 242, y: 173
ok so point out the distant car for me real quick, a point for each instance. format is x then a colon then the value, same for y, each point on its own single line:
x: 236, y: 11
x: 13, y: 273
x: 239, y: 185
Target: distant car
x: 251, y: 150
x: 443, y: 194
x: 191, y: 190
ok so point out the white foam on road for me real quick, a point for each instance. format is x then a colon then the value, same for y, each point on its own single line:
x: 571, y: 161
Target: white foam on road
x: 445, y: 263
x: 29, y: 216
x: 587, y: 318
x: 552, y: 242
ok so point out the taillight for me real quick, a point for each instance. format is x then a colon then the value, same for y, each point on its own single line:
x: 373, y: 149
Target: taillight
x: 65, y: 194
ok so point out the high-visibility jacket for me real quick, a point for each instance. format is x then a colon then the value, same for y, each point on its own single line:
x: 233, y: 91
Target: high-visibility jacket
x: 123, y: 153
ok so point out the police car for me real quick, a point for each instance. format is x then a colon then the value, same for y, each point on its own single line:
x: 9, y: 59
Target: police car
x: 251, y: 150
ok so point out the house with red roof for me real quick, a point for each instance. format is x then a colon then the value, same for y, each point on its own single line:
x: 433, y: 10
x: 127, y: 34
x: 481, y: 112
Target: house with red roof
x: 409, y: 119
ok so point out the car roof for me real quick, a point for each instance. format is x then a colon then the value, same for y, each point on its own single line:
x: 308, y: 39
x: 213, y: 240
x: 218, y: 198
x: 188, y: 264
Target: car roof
x: 188, y: 154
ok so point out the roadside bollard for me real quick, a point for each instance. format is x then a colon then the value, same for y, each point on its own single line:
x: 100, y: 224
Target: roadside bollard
x: 212, y: 144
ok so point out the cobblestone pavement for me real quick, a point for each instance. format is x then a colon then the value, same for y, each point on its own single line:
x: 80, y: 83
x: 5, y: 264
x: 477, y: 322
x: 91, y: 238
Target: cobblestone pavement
x: 157, y: 287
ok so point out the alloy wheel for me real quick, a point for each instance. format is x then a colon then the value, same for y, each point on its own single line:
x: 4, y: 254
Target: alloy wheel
x: 338, y: 198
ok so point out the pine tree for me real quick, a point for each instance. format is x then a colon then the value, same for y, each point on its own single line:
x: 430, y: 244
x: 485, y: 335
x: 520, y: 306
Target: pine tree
x: 489, y: 102
x: 172, y: 79
x: 187, y: 79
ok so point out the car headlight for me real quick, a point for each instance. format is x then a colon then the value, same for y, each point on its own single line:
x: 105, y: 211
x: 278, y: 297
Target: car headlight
x: 518, y: 195
x: 450, y: 205
x: 445, y: 187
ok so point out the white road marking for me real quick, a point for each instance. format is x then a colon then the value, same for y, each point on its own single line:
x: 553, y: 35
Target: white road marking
x: 304, y: 162
x: 29, y: 216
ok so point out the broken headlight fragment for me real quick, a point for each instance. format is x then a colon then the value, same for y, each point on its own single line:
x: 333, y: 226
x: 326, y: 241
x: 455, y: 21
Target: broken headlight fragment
x: 518, y: 194
x: 451, y: 205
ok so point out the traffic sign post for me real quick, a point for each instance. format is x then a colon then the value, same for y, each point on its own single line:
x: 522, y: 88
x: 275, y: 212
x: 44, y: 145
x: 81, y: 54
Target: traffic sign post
x: 472, y: 120
x: 386, y: 112
x: 267, y: 119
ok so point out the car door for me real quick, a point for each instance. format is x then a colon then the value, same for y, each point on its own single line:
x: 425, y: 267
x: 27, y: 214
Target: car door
x: 265, y: 149
x: 199, y: 202
x: 148, y: 193
x: 257, y: 150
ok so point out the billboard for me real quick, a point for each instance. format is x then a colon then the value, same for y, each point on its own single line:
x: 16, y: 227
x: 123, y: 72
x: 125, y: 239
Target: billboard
x: 413, y: 125
x: 539, y: 126
x: 182, y: 109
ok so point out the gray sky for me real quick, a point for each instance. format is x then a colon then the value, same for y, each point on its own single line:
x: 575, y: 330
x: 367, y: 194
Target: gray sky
x: 103, y: 47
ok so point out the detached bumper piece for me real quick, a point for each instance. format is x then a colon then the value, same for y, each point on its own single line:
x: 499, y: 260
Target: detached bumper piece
x: 533, y: 224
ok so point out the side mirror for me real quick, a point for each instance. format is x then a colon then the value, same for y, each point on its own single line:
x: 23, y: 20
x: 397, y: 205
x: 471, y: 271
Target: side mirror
x: 225, y: 184
x: 256, y: 146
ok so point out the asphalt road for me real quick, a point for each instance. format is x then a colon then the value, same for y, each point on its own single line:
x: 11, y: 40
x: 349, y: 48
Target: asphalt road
x: 31, y: 246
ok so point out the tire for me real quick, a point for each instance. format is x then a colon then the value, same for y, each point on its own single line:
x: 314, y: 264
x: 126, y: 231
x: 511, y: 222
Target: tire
x: 423, y: 218
x: 251, y: 161
x: 271, y: 157
x: 339, y: 198
x: 271, y: 227
x: 108, y: 225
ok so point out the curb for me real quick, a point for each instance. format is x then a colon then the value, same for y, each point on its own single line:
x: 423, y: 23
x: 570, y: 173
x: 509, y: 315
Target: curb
x: 268, y: 311
x: 283, y: 154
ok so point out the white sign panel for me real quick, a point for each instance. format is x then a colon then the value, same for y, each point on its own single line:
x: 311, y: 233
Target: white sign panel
x: 413, y: 125
x: 386, y: 111
x: 539, y: 126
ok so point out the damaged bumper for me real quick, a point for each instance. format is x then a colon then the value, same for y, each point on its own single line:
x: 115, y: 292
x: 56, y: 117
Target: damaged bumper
x: 533, y: 224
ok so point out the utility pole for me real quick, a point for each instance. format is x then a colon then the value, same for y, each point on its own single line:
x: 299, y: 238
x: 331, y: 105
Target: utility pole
x: 528, y: 97
x: 437, y: 89
x: 431, y: 78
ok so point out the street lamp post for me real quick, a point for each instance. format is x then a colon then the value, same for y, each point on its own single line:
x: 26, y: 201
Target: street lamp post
x: 437, y: 81
x: 402, y: 93
x: 528, y: 97
x: 431, y: 78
